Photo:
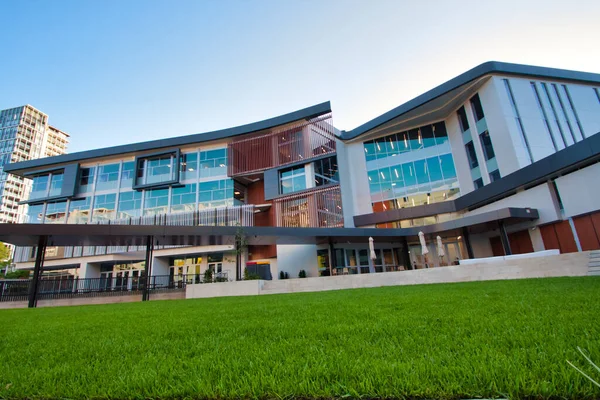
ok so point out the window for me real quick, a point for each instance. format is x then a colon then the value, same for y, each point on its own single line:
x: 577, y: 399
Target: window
x: 554, y: 113
x: 55, y: 212
x: 79, y: 211
x: 326, y: 171
x: 292, y: 180
x: 39, y: 188
x: 517, y: 117
x: 127, y: 174
x: 86, y: 179
x: 130, y: 204
x: 478, y: 183
x: 564, y: 111
x: 56, y: 183
x: 477, y: 109
x: 494, y: 175
x: 573, y: 110
x: 183, y: 198
x: 486, y: 144
x: 213, y: 163
x: 471, y: 155
x: 108, y: 177
x: 189, y: 166
x: 215, y: 194
x: 104, y: 207
x: 462, y: 119
x: 35, y: 213
x: 155, y: 170
x: 543, y: 113
x: 156, y: 201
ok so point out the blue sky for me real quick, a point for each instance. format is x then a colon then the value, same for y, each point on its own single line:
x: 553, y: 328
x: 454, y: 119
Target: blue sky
x: 113, y: 72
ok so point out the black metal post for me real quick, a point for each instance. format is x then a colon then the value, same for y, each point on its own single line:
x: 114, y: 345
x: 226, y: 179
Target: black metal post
x: 467, y: 239
x: 504, y: 239
x: 406, y: 254
x: 37, y: 270
x: 238, y: 259
x: 148, y: 268
x: 332, y: 258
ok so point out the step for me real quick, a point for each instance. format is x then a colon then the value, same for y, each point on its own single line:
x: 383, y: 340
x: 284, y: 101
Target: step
x: 594, y: 273
x: 594, y: 268
x: 594, y: 264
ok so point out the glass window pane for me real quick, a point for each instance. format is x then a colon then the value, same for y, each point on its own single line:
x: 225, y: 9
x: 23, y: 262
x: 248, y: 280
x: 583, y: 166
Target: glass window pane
x: 104, y: 207
x: 421, y: 169
x: 435, y: 169
x: 79, y: 211
x: 408, y: 172
x: 108, y: 176
x: 447, y: 164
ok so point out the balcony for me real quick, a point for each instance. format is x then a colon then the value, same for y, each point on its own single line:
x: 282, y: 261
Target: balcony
x: 251, y: 155
x: 321, y: 208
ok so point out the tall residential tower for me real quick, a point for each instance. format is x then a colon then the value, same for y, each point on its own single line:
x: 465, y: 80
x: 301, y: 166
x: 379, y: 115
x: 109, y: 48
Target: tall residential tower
x: 24, y: 135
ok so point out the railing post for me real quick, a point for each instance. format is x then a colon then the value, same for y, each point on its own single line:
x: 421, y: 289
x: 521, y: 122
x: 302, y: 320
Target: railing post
x: 37, y: 270
x: 148, y: 267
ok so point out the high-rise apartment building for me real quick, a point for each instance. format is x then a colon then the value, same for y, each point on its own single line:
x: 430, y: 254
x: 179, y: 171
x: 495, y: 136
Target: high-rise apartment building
x: 24, y: 135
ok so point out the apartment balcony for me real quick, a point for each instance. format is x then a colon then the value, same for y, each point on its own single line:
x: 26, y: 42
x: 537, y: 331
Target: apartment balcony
x: 252, y: 155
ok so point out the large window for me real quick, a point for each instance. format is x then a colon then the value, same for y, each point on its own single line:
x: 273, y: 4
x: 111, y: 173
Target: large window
x: 292, y: 179
x: 462, y: 119
x: 477, y: 109
x: 79, y: 211
x: 471, y: 155
x: 39, y: 188
x: 108, y: 177
x: 56, y: 212
x: 127, y: 174
x: 156, y: 201
x: 189, y: 166
x: 56, y: 182
x: 104, y: 207
x: 130, y: 204
x: 215, y: 193
x: 326, y: 171
x: 213, y: 163
x: 183, y: 198
x: 156, y: 170
x: 86, y: 179
x: 486, y: 144
x: 35, y: 214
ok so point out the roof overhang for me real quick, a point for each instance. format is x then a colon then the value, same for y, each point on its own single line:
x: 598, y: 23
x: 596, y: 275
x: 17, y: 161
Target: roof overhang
x: 24, y: 167
x: 433, y: 105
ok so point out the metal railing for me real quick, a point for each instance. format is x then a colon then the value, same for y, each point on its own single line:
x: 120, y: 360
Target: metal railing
x: 72, y: 287
x: 222, y: 216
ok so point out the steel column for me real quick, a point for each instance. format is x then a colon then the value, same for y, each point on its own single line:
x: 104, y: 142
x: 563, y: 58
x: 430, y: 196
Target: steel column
x: 37, y: 270
x: 504, y: 239
x: 406, y: 254
x: 148, y: 268
x: 467, y: 239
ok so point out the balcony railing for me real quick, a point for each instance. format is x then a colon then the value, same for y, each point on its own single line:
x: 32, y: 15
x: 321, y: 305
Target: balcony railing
x: 68, y: 287
x: 303, y: 141
x: 223, y: 216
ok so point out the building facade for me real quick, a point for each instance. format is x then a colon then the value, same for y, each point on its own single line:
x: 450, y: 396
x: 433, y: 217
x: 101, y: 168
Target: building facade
x: 499, y: 160
x: 24, y: 135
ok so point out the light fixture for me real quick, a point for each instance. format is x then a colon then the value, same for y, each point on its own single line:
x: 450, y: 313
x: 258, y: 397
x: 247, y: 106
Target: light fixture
x: 405, y: 141
x: 382, y: 175
x: 392, y: 144
x: 378, y: 147
x: 396, y: 172
x: 190, y: 169
x: 236, y: 192
x: 458, y: 238
x: 413, y: 202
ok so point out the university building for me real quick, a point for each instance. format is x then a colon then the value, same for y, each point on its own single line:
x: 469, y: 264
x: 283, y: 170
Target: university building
x: 502, y: 159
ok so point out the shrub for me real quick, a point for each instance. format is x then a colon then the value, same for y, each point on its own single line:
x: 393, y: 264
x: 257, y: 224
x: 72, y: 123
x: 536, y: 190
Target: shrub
x: 18, y: 274
x: 250, y: 276
x: 302, y: 274
x: 208, y: 276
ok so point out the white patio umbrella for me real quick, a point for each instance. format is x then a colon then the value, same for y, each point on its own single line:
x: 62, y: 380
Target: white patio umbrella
x: 424, y: 249
x: 372, y: 249
x: 440, y: 247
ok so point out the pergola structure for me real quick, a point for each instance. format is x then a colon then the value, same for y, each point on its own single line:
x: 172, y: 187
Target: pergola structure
x: 43, y: 235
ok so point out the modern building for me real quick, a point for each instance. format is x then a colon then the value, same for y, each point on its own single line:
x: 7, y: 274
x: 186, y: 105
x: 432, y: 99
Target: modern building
x: 502, y: 159
x: 24, y: 135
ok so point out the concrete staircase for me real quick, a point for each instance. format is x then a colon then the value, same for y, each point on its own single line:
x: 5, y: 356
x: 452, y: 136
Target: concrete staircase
x: 594, y: 263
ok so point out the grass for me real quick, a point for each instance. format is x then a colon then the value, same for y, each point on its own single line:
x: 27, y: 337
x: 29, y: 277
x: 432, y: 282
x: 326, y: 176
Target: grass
x: 467, y: 340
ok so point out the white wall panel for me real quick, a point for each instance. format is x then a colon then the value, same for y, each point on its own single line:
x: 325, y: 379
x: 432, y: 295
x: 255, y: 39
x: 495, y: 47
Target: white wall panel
x: 587, y: 106
x: 580, y: 191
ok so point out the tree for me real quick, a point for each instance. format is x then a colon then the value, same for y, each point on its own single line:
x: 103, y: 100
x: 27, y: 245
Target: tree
x: 4, y: 253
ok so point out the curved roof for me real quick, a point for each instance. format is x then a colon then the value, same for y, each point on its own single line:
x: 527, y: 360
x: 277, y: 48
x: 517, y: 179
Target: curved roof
x: 303, y: 114
x: 490, y: 67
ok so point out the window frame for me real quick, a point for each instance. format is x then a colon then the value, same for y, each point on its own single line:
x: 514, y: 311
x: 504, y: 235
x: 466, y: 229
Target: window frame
x: 140, y: 166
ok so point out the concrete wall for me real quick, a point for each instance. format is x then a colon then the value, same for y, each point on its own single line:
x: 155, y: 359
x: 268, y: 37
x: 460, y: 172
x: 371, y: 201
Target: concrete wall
x: 579, y: 191
x: 574, y: 264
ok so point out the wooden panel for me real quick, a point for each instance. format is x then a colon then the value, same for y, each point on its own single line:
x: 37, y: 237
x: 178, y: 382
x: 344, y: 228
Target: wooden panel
x: 520, y: 242
x: 497, y: 249
x: 595, y: 217
x: 586, y: 233
x: 549, y: 237
x: 259, y: 252
x: 256, y: 195
x: 565, y: 237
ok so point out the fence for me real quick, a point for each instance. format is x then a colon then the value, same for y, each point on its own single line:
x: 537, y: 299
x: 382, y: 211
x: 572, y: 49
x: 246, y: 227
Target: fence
x: 71, y: 287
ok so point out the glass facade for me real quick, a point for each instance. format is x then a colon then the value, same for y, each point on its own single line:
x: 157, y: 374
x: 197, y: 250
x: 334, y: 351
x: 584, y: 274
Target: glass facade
x: 326, y: 171
x: 108, y: 177
x: 411, y: 168
x: 292, y: 180
x: 104, y: 207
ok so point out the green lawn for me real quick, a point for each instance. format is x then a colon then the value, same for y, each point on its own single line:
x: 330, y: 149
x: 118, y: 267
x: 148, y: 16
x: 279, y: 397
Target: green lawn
x: 468, y: 340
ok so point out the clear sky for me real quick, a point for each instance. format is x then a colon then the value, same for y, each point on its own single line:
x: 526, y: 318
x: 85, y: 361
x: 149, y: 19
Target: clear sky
x: 111, y: 72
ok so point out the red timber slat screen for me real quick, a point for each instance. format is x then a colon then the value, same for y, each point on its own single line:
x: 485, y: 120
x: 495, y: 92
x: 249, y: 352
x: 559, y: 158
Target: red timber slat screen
x: 320, y: 208
x: 298, y: 142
